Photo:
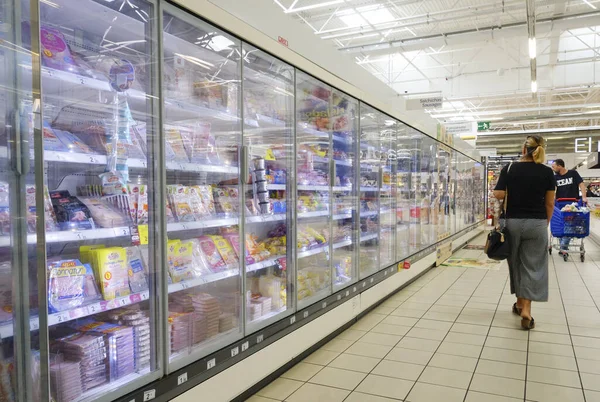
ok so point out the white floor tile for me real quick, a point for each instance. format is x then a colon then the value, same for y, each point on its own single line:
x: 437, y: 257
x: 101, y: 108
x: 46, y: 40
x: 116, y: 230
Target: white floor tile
x: 453, y: 362
x: 302, y: 371
x: 564, y: 378
x: 338, y: 378
x: 498, y: 385
x: 318, y: 393
x: 539, y: 392
x: 368, y: 349
x: 363, y: 364
x: 501, y: 369
x: 385, y: 386
x: 418, y: 344
x: 280, y: 389
x: 446, y: 377
x: 405, y: 371
x: 423, y: 392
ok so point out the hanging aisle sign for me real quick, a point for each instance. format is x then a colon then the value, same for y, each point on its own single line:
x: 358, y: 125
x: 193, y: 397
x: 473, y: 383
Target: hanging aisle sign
x: 433, y: 102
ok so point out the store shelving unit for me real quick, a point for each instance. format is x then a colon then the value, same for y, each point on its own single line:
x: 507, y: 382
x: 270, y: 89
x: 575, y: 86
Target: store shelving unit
x: 167, y: 190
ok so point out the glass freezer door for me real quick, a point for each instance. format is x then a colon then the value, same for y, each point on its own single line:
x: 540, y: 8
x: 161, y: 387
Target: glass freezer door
x: 314, y: 144
x: 371, y: 124
x: 202, y: 138
x: 403, y: 192
x: 387, y: 193
x: 345, y: 229
x: 19, y: 353
x: 95, y: 183
x: 268, y: 193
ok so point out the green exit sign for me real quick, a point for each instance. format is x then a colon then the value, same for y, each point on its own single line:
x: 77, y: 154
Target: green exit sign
x: 483, y: 125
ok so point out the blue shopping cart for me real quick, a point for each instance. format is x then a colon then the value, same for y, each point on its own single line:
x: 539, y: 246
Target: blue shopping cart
x: 570, y: 225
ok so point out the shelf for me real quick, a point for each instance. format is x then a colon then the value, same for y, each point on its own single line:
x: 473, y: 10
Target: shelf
x: 312, y: 188
x: 368, y: 213
x: 266, y: 318
x: 314, y: 251
x: 336, y: 161
x: 318, y: 296
x: 203, y: 280
x: 66, y: 236
x: 342, y: 188
x: 6, y: 329
x: 342, y: 216
x: 365, y: 188
x: 368, y: 237
x: 96, y: 159
x: 323, y: 134
x: 344, y: 243
x: 209, y: 223
x: 277, y: 187
x: 266, y: 218
x: 263, y: 264
x: 313, y: 214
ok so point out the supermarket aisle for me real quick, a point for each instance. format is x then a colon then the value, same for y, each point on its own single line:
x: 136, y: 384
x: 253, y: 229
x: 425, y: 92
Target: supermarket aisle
x: 451, y: 336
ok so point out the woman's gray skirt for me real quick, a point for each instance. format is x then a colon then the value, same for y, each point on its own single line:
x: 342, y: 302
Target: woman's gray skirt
x: 528, y: 262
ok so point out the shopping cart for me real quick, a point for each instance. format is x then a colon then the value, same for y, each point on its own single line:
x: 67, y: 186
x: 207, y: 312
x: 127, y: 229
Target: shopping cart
x: 572, y: 225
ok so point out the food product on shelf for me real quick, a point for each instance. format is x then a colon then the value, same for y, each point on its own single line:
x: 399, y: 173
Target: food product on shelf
x: 140, y: 322
x: 70, y: 212
x: 136, y: 272
x: 110, y: 268
x: 226, y: 251
x: 210, y: 254
x: 103, y: 214
x: 174, y: 149
x: 180, y: 260
x: 65, y: 379
x: 70, y: 284
x: 312, y: 279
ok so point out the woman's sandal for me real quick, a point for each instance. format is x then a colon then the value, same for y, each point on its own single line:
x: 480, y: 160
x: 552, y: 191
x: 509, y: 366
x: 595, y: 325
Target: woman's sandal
x: 527, y: 324
x: 516, y: 310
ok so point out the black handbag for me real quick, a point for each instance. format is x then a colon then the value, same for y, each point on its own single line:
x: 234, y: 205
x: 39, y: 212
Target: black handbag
x: 497, y: 245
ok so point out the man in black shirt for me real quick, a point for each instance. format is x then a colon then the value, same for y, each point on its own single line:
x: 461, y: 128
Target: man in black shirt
x: 568, y: 182
x: 568, y: 185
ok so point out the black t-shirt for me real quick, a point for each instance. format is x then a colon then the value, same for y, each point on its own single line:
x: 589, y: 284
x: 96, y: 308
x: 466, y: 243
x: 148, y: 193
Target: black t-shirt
x: 527, y: 183
x: 567, y: 185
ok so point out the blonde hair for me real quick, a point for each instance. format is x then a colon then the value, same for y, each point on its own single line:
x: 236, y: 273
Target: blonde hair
x: 534, y: 147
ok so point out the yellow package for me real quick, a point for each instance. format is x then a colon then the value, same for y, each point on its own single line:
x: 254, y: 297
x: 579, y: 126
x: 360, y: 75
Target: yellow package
x: 226, y: 250
x: 181, y: 259
x: 85, y: 255
x: 112, y: 271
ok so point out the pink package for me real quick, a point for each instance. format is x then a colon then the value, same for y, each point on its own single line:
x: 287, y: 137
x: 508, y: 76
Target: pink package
x: 211, y: 254
x: 55, y: 51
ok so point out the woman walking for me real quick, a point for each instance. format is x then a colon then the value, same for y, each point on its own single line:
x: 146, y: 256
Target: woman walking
x: 529, y: 187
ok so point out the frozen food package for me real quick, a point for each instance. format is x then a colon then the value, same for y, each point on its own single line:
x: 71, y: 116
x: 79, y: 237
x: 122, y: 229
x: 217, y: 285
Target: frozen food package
x: 199, y: 263
x: 138, y: 131
x: 111, y: 269
x: 226, y: 251
x: 138, y: 282
x: 223, y: 202
x: 31, y: 210
x: 66, y: 284
x: 206, y: 195
x: 210, y: 254
x: 70, y: 212
x: 200, y: 144
x: 72, y: 142
x: 180, y: 258
x: 181, y: 203
x: 133, y: 192
x: 90, y: 350
x: 51, y: 224
x: 6, y: 309
x: 198, y: 209
x: 174, y: 150
x: 55, y: 51
x: 103, y: 214
x: 65, y: 379
x: 142, y: 206
x: 51, y: 140
x: 119, y: 343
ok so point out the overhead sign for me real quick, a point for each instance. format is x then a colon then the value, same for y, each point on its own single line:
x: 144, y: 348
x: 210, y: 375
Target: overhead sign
x: 459, y: 128
x: 424, y: 103
x: 586, y: 145
x: 483, y: 125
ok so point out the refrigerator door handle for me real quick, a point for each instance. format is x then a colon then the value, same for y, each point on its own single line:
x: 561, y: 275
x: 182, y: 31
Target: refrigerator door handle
x: 244, y: 171
x: 14, y: 138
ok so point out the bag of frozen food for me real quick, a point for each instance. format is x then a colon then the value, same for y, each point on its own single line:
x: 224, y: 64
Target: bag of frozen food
x: 200, y: 143
x: 181, y: 260
x: 142, y: 205
x: 210, y: 254
x: 174, y: 149
x: 223, y: 202
x: 70, y: 212
x: 136, y: 271
x: 206, y: 195
x: 199, y: 262
x: 139, y: 133
x: 5, y: 216
x: 198, y: 209
x: 181, y: 203
x: 226, y: 251
x: 103, y: 214
x: 51, y: 140
x: 111, y: 266
x: 72, y: 142
x: 66, y: 284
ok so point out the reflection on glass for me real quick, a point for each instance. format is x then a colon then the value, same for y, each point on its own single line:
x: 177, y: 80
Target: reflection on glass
x: 403, y: 191
x: 387, y: 193
x: 268, y: 140
x: 314, y: 143
x: 371, y: 171
x: 418, y: 190
x: 344, y: 127
x: 202, y: 130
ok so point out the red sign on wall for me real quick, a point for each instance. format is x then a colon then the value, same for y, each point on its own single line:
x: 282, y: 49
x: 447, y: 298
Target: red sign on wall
x: 283, y: 41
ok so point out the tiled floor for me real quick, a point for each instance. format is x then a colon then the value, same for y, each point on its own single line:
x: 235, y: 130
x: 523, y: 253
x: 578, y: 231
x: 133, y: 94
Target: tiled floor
x: 450, y: 336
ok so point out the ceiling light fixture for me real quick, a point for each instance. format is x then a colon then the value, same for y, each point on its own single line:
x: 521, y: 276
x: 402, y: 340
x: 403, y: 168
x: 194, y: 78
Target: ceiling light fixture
x: 313, y: 6
x: 590, y: 4
x: 532, y: 48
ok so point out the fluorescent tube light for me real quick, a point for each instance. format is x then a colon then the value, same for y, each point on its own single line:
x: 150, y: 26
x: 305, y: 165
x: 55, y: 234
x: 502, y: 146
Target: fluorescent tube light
x: 312, y: 6
x: 532, y: 48
x: 590, y: 4
x: 534, y: 87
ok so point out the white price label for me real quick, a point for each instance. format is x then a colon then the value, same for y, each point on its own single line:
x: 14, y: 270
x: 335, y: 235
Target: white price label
x: 292, y: 319
x: 354, y: 289
x: 235, y: 351
x: 348, y: 293
x: 80, y: 236
x: 182, y: 378
x: 245, y: 346
x: 324, y: 305
x: 149, y: 395
x: 210, y: 364
x: 364, y: 284
x: 384, y: 273
x: 260, y: 338
x: 339, y: 297
x: 34, y: 325
x: 305, y: 314
x: 372, y: 279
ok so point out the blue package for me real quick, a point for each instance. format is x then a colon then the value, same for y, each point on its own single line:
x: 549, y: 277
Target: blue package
x: 51, y: 140
x: 67, y: 284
